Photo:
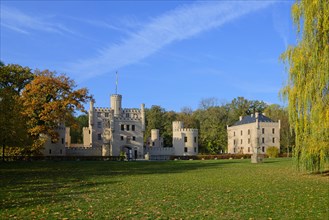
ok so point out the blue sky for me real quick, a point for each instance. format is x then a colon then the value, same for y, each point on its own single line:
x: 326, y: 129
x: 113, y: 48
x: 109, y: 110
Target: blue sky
x: 167, y: 53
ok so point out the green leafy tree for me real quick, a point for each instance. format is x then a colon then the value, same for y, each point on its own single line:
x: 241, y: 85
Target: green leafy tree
x: 167, y: 132
x: 238, y: 107
x: 13, y: 78
x: 287, y: 134
x: 154, y: 119
x: 76, y: 128
x: 307, y: 88
x: 187, y: 117
x: 256, y: 106
x: 212, y: 129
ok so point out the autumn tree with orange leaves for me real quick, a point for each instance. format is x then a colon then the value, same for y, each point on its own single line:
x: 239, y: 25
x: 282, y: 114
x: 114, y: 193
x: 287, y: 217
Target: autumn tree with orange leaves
x: 48, y: 101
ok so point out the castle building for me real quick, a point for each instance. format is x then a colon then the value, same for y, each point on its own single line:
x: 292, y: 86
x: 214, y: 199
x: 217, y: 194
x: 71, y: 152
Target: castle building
x: 253, y: 133
x: 185, y: 140
x: 55, y: 148
x: 185, y: 143
x: 115, y: 130
x: 155, y: 141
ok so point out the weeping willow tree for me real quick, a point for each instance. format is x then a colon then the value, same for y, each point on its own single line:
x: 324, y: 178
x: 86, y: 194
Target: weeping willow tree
x: 307, y: 88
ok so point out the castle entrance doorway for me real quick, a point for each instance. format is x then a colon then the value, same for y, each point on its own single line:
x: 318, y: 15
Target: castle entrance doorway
x: 129, y: 152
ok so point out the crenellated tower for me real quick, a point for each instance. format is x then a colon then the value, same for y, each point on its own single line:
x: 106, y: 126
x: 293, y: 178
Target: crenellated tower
x: 116, y: 101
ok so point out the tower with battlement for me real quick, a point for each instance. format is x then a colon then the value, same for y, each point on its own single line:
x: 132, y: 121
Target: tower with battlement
x: 116, y: 130
x: 185, y: 140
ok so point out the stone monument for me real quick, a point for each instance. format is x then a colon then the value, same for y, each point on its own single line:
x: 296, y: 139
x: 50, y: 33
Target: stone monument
x: 256, y: 157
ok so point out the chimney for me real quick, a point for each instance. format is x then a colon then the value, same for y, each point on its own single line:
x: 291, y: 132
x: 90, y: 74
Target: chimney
x: 240, y: 118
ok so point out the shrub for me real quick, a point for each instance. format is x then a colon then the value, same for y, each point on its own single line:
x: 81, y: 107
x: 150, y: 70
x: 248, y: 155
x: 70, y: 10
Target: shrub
x: 272, y: 152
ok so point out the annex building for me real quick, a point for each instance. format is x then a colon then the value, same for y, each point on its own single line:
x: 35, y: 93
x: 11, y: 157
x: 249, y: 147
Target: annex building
x: 253, y: 133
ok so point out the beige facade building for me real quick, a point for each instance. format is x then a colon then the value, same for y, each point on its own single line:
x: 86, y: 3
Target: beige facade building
x: 185, y: 140
x: 56, y: 148
x: 253, y: 133
x: 185, y: 143
x: 115, y: 130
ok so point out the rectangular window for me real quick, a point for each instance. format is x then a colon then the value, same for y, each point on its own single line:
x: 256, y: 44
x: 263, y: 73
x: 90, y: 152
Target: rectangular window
x: 273, y: 131
x: 153, y: 143
x: 60, y: 151
x: 263, y: 130
x: 234, y: 150
x: 99, y: 124
x: 273, y: 140
x: 241, y: 141
x: 248, y: 131
x: 63, y: 141
x: 195, y: 150
x: 134, y: 138
x: 185, y: 139
x: 263, y: 149
x: 258, y: 140
x: 234, y: 133
x: 133, y: 127
x: 99, y: 136
x: 99, y: 114
x: 241, y: 133
x: 194, y: 139
x: 185, y: 149
x: 248, y: 149
x: 248, y: 140
x: 106, y: 115
x: 234, y: 142
x: 121, y: 138
x: 122, y: 127
x: 128, y: 127
x: 263, y: 140
x: 49, y: 151
x: 127, y: 115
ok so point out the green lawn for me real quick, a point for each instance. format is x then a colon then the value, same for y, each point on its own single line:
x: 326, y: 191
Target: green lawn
x: 216, y: 189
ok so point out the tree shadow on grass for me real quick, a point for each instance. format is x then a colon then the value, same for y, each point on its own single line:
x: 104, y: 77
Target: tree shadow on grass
x: 324, y: 173
x: 29, y: 184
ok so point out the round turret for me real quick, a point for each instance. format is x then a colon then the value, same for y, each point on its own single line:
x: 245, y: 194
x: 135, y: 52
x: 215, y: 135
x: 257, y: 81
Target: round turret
x: 154, y: 134
x: 91, y: 113
x: 116, y: 104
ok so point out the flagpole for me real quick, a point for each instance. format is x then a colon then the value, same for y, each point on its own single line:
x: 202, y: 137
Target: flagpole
x: 116, y: 83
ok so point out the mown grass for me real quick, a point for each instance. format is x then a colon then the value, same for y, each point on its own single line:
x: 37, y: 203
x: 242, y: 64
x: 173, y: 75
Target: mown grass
x: 217, y: 189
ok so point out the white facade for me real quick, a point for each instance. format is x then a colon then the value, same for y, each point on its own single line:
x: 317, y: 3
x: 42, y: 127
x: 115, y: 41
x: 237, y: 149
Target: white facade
x: 185, y: 140
x: 155, y: 140
x: 116, y: 130
x: 251, y: 133
x: 185, y: 143
x: 56, y: 148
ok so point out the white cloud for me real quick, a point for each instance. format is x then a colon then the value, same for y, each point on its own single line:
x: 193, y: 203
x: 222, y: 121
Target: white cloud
x: 281, y: 23
x: 18, y: 21
x: 178, y: 24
